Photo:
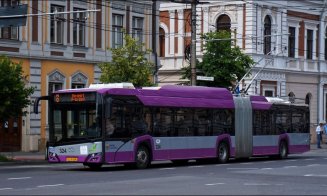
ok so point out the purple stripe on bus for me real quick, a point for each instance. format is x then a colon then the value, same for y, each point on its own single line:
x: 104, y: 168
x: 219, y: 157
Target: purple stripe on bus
x: 258, y: 98
x: 299, y: 148
x: 120, y: 157
x: 185, y: 102
x: 264, y: 150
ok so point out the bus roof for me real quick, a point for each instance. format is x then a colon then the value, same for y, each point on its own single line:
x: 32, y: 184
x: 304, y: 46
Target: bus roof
x: 180, y: 96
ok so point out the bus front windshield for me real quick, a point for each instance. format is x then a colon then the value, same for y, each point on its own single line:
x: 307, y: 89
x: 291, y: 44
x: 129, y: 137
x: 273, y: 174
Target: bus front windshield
x: 75, y: 122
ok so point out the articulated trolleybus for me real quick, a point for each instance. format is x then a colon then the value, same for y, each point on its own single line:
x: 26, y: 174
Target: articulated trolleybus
x: 118, y: 124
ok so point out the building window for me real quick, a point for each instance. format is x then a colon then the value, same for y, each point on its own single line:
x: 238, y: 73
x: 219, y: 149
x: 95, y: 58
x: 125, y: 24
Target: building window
x: 79, y: 80
x: 291, y: 42
x: 9, y: 32
x: 269, y: 93
x: 137, y: 29
x: 57, y: 25
x: 56, y: 81
x: 267, y: 35
x: 309, y: 43
x: 79, y: 28
x: 223, y: 23
x: 162, y: 42
x: 117, y: 31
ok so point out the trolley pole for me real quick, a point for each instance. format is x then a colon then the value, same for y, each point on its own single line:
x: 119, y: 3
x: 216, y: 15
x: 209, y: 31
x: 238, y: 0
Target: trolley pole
x: 193, y: 44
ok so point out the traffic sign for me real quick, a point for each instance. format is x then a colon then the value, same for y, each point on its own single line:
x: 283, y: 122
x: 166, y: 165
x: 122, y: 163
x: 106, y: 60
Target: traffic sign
x: 205, y: 78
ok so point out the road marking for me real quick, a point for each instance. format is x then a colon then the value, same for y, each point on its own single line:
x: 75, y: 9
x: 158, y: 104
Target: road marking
x: 20, y: 178
x: 223, y: 164
x: 290, y: 160
x: 269, y: 161
x: 246, y: 163
x: 49, y: 185
x: 312, y: 165
x: 291, y: 166
x: 309, y: 159
x: 2, y: 189
x: 267, y: 168
x: 315, y: 175
x: 256, y: 184
x: 325, y: 158
x: 167, y: 168
x: 242, y: 168
x: 213, y: 184
x: 195, y: 166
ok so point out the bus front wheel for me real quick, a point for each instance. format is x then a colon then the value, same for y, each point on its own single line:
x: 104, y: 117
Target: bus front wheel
x: 142, y: 158
x: 223, y: 152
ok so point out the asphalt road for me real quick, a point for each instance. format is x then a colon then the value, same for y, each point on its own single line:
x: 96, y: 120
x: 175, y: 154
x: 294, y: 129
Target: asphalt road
x: 304, y: 174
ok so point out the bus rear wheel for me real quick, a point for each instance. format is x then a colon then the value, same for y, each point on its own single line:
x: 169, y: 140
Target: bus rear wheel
x: 142, y: 157
x: 223, y: 153
x: 283, y: 152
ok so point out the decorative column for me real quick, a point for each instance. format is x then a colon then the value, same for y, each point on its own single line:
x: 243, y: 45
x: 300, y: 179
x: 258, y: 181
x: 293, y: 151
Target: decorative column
x: 172, y: 32
x: 181, y: 32
x: 205, y: 19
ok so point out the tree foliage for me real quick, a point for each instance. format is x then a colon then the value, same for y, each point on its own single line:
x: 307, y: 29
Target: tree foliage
x: 129, y: 64
x: 14, y: 94
x: 220, y: 60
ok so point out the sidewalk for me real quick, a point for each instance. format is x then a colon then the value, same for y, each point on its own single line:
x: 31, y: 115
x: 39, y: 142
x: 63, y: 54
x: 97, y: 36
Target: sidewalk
x: 23, y: 157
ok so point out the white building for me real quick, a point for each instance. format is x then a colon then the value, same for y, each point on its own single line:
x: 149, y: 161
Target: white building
x: 287, y: 38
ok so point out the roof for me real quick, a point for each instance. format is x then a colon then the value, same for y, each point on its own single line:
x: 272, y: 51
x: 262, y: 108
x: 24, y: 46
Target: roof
x: 181, y: 96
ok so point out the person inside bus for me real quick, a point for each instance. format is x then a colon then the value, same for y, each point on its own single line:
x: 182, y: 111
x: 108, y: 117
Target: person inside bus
x: 110, y: 128
x: 139, y: 126
x: 319, y: 131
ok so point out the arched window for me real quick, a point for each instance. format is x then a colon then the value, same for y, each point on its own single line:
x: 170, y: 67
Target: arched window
x: 79, y: 80
x: 162, y: 42
x: 56, y: 81
x: 291, y: 97
x: 308, y: 98
x: 223, y: 23
x: 267, y: 35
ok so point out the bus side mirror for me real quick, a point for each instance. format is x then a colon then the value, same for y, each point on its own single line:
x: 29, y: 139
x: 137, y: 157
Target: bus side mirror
x: 36, y: 103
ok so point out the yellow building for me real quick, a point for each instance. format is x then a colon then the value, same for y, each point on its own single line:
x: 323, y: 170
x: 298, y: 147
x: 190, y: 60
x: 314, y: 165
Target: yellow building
x: 62, y: 51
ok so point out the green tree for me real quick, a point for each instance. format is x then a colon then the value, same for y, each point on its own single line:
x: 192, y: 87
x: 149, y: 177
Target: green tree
x: 14, y: 94
x: 220, y: 60
x: 129, y: 64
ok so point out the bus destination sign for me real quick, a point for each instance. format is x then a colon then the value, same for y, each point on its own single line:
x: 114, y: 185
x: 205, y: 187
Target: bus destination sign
x: 74, y: 97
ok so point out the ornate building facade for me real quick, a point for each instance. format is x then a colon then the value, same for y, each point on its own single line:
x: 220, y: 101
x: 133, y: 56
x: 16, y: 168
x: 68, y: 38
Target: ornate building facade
x: 286, y: 39
x: 63, y: 51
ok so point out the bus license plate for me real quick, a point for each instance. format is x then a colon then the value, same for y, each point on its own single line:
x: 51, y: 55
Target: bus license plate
x: 71, y: 159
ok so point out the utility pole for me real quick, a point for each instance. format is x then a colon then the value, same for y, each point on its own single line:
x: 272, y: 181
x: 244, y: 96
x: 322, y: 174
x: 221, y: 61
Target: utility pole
x: 154, y: 40
x: 193, y: 44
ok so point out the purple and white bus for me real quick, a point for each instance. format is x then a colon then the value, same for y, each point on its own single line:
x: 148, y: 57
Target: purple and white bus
x: 97, y: 126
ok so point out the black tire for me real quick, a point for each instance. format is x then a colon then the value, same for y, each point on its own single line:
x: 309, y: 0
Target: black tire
x: 223, y: 152
x: 93, y: 166
x: 179, y: 162
x: 142, y: 158
x: 283, y: 151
